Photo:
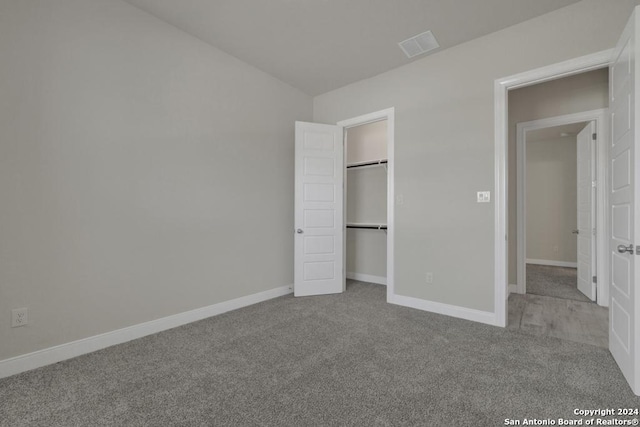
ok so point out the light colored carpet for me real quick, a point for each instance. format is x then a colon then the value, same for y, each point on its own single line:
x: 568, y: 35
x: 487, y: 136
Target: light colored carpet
x: 348, y: 359
x: 558, y: 282
x: 583, y: 322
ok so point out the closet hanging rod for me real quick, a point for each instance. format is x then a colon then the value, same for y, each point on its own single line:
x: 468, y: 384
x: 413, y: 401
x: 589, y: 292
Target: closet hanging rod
x: 369, y: 227
x: 373, y: 163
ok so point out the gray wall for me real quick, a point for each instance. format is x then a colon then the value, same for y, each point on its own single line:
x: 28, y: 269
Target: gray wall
x: 444, y: 143
x: 367, y: 203
x: 143, y: 173
x: 582, y: 92
x: 551, y: 198
x: 367, y: 142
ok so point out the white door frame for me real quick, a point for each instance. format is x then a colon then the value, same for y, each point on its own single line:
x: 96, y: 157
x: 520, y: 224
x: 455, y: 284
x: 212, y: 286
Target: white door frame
x: 389, y: 115
x: 602, y: 235
x: 501, y: 91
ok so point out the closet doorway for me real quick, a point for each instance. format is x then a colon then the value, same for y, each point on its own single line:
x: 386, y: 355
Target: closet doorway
x: 366, y: 202
x: 343, y: 204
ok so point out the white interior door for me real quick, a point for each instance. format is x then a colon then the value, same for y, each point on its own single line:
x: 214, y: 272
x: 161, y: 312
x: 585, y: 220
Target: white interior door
x: 319, y: 212
x: 624, y: 298
x: 586, y: 192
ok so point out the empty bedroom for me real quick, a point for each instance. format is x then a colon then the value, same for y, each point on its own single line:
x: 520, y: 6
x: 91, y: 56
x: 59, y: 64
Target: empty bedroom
x: 298, y: 213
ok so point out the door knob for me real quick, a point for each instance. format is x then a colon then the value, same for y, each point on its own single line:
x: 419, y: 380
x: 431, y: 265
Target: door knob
x: 622, y: 249
x: 575, y: 232
x: 299, y: 231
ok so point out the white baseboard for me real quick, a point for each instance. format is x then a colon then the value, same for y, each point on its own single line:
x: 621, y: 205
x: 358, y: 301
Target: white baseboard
x: 367, y: 278
x: 552, y: 263
x: 50, y: 355
x: 446, y: 309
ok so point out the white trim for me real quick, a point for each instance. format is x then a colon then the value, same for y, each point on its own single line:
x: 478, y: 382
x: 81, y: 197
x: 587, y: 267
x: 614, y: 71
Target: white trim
x: 501, y: 88
x: 552, y: 263
x: 559, y: 70
x: 379, y: 280
x: 367, y: 118
x: 501, y: 249
x: 445, y: 309
x: 513, y: 289
x: 72, y: 349
x: 389, y: 115
x: 600, y: 117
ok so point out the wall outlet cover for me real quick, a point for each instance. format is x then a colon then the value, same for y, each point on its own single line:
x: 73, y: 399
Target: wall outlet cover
x: 19, y: 317
x: 428, y: 278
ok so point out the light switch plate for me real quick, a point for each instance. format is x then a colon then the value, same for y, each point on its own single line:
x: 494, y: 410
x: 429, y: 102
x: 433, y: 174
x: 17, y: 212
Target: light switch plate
x: 484, y: 196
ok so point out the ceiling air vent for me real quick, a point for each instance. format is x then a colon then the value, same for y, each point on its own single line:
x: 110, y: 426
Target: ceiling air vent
x: 419, y: 44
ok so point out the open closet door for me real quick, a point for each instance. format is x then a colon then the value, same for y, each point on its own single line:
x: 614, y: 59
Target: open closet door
x: 585, y: 220
x: 319, y: 212
x: 624, y: 302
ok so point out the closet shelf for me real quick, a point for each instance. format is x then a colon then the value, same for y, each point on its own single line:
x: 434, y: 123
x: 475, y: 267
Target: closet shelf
x: 367, y: 226
x: 369, y: 163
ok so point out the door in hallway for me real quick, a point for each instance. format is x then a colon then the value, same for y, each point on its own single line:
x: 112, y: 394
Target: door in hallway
x: 586, y: 251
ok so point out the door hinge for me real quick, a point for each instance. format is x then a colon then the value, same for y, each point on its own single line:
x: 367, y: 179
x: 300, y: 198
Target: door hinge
x: 595, y: 279
x: 594, y: 136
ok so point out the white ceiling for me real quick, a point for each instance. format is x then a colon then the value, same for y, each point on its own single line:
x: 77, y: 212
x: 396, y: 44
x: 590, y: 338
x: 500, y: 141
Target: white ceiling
x: 555, y: 132
x: 320, y: 45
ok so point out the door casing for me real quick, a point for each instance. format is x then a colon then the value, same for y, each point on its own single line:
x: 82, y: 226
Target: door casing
x: 388, y: 115
x: 501, y: 90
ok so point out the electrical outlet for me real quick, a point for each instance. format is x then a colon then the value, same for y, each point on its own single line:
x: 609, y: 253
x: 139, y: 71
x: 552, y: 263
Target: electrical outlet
x: 428, y: 278
x: 19, y: 317
x: 555, y: 248
x: 400, y: 199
